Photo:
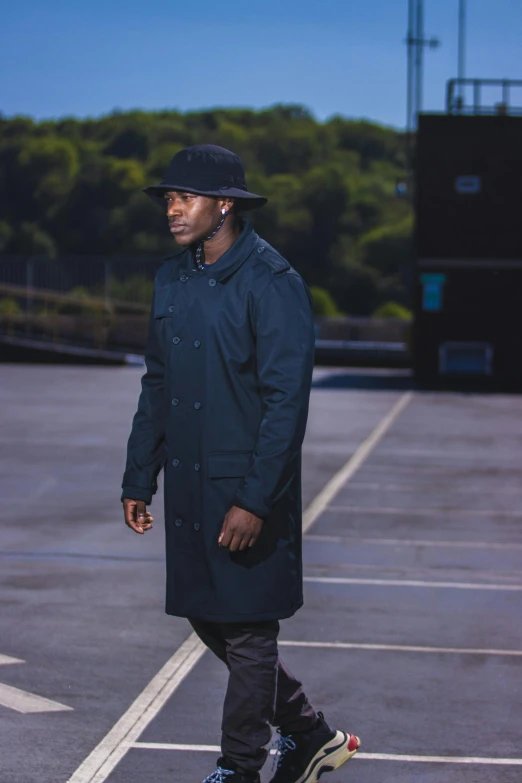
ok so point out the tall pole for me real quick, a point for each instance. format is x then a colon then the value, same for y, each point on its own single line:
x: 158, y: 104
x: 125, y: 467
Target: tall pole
x: 462, y: 46
x: 419, y: 53
x: 416, y: 42
x: 410, y: 42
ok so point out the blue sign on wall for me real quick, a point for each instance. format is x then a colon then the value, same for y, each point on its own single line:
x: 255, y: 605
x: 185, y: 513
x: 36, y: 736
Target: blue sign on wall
x: 468, y: 185
x: 432, y: 292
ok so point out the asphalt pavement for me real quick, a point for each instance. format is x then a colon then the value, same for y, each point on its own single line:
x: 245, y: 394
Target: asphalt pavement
x: 410, y: 636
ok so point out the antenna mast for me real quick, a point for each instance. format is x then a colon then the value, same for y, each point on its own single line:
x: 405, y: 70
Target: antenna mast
x: 462, y: 48
x: 416, y: 42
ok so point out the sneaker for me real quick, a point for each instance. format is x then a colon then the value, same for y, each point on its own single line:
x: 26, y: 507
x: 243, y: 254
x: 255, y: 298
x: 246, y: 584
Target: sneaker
x: 302, y: 757
x: 226, y: 772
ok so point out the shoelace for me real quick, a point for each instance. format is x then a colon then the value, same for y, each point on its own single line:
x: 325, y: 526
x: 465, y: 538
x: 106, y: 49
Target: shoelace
x: 219, y: 776
x: 282, y: 746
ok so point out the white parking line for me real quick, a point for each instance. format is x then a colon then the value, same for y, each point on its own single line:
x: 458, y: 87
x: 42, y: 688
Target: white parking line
x: 411, y: 542
x: 101, y: 761
x: 504, y: 762
x: 479, y: 459
x: 22, y: 701
x: 6, y: 660
x: 178, y: 746
x: 401, y: 648
x: 341, y: 580
x: 422, y: 512
x: 338, y: 481
x: 423, y: 486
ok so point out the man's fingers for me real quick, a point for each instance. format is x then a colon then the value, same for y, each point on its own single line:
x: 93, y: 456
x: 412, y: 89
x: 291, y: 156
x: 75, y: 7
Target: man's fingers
x: 135, y: 526
x: 236, y: 542
x: 145, y: 520
x: 224, y: 537
x: 129, y: 513
x: 245, y: 543
x: 239, y: 532
x: 136, y: 516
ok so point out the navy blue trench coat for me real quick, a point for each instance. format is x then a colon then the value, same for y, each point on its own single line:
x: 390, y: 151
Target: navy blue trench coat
x: 223, y: 410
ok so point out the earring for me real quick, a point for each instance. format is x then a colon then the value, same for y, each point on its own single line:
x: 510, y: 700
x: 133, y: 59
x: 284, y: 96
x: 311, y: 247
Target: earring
x: 223, y: 212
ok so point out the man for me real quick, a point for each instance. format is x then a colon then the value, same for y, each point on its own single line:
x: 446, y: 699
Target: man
x: 223, y: 410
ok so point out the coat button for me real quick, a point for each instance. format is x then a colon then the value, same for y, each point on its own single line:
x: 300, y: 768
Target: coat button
x: 183, y: 278
x: 196, y: 525
x: 261, y: 249
x: 176, y: 340
x: 175, y: 401
x: 171, y: 309
x: 197, y: 343
x: 197, y: 405
x: 178, y: 522
x: 197, y: 466
x: 175, y: 462
x: 212, y: 282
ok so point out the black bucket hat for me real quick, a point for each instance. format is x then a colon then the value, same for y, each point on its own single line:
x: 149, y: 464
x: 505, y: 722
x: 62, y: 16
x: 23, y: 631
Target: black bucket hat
x: 207, y: 170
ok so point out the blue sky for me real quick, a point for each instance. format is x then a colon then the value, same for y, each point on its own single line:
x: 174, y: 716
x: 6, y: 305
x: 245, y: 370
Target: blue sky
x: 88, y: 57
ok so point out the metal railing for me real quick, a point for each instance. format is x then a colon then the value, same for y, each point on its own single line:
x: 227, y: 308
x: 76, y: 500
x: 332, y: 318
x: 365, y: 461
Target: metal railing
x: 90, y: 301
x: 100, y: 276
x: 67, y: 319
x: 466, y: 96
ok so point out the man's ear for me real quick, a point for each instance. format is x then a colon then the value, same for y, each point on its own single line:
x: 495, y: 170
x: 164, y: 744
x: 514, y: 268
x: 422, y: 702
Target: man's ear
x: 228, y: 204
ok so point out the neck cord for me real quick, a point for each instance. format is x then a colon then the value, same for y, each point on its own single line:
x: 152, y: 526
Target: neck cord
x: 199, y: 248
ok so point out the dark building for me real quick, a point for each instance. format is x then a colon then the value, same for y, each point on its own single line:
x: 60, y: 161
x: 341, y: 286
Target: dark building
x: 469, y: 247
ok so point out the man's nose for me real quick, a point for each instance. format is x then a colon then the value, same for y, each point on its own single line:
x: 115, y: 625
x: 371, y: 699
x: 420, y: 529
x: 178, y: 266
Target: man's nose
x: 174, y: 207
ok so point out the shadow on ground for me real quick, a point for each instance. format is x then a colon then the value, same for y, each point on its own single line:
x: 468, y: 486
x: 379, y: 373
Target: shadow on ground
x: 404, y: 380
x: 385, y: 380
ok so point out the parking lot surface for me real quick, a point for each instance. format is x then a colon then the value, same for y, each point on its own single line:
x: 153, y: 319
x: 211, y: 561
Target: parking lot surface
x: 410, y: 635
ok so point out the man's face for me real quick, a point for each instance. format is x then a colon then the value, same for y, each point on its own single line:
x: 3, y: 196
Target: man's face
x: 191, y: 218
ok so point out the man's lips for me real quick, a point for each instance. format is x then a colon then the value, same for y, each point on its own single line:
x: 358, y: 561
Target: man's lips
x: 177, y: 228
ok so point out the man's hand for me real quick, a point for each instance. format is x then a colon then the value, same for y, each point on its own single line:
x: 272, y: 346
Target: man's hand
x: 240, y: 530
x: 136, y: 515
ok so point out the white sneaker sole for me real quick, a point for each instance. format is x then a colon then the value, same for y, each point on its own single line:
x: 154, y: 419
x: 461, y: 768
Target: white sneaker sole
x: 331, y: 756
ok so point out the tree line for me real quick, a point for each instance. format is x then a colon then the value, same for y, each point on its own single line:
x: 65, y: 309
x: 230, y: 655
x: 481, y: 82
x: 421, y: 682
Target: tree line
x: 73, y: 186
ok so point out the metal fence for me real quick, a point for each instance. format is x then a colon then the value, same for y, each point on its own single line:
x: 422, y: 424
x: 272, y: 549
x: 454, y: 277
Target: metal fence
x: 90, y: 301
x: 129, y: 279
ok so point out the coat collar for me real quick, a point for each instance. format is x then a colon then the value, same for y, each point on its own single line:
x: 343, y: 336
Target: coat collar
x: 230, y: 261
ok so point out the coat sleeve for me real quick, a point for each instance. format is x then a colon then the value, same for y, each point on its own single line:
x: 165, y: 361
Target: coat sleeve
x: 145, y: 452
x: 284, y: 331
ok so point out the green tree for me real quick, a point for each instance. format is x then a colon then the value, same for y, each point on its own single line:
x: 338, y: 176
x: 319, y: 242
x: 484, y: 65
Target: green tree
x: 393, y: 310
x: 30, y: 239
x: 6, y: 234
x: 323, y: 302
x: 9, y: 307
x: 137, y: 289
x: 47, y: 167
x: 74, y: 186
x: 389, y: 247
x: 354, y: 287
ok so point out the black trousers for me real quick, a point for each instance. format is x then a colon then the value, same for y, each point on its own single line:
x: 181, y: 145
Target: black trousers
x: 261, y: 691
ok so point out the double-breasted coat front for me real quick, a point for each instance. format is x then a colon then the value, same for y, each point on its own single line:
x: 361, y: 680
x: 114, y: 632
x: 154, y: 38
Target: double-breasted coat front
x: 223, y: 410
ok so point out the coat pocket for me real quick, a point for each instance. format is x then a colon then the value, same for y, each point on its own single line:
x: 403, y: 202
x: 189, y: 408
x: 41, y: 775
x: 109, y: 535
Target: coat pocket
x: 229, y: 464
x: 164, y: 302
